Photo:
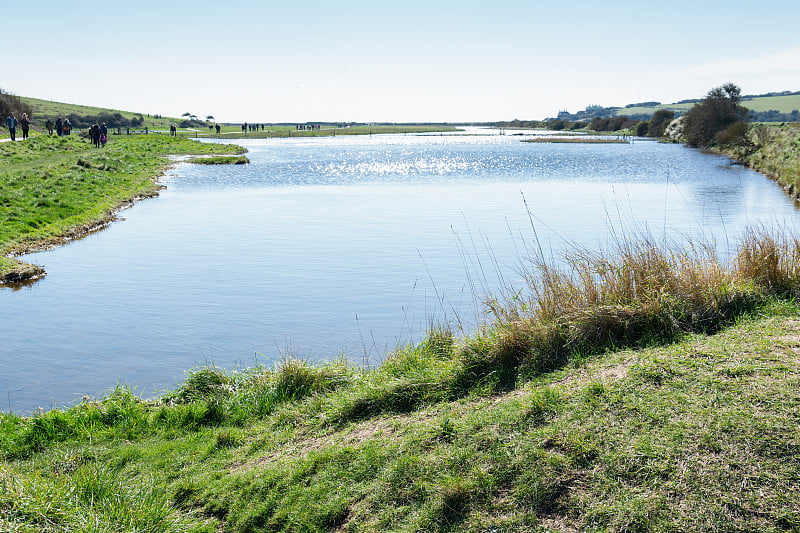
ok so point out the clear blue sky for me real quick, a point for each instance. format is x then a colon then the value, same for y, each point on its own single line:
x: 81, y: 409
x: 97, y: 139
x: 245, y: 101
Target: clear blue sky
x: 267, y: 61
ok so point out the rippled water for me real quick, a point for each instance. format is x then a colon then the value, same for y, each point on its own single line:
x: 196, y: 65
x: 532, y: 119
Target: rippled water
x: 346, y: 245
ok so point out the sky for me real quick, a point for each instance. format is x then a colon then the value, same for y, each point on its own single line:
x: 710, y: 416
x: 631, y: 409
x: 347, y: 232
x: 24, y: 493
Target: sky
x: 410, y: 61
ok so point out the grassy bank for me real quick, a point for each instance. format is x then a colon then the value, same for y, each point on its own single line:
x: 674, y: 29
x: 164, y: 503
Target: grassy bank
x: 649, y: 389
x: 774, y: 151
x: 53, y: 189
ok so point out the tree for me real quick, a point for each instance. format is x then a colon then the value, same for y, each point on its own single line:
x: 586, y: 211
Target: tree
x: 210, y: 118
x: 713, y: 114
x: 659, y: 122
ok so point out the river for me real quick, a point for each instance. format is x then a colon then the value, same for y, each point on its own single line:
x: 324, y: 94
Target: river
x: 341, y: 246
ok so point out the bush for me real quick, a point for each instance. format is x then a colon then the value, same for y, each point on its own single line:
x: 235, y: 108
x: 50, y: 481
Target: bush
x: 718, y: 110
x: 612, y: 123
x: 734, y: 136
x: 10, y: 103
x: 659, y: 122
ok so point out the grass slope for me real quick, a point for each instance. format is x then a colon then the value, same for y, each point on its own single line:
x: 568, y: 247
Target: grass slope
x: 782, y: 104
x: 698, y: 436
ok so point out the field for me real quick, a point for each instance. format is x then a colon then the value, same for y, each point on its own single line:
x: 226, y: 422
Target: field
x: 783, y: 104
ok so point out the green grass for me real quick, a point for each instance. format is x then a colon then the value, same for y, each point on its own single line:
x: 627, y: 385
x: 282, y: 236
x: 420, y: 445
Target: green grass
x: 57, y: 188
x: 782, y: 104
x: 614, y: 401
x: 775, y: 151
x: 46, y: 108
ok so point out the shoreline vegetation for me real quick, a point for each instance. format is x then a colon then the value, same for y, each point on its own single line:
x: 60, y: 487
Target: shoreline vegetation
x: 653, y: 387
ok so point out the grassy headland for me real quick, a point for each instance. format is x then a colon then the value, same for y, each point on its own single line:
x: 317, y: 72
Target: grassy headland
x: 53, y: 189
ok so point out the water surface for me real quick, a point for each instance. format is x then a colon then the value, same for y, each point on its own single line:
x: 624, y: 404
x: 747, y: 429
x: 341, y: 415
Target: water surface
x: 347, y: 245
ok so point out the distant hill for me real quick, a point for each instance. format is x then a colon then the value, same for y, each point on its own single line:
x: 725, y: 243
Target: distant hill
x: 770, y: 107
x: 80, y: 115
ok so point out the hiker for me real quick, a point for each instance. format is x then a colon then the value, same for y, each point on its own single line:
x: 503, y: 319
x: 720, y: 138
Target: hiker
x: 49, y: 126
x: 25, y: 123
x: 12, y: 122
x: 217, y: 126
x: 103, y: 134
x: 94, y: 133
x: 67, y: 126
x: 59, y: 127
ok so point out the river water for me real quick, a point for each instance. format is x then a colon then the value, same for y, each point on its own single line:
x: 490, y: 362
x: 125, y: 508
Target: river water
x: 345, y: 246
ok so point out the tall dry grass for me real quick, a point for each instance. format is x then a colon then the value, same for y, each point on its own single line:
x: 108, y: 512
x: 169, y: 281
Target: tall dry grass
x: 641, y: 291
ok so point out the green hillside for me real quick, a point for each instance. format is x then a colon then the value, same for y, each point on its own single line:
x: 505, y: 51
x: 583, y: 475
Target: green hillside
x: 44, y: 109
x: 782, y: 104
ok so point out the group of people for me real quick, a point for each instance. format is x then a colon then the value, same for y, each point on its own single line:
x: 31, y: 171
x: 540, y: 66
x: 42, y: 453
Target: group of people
x: 250, y: 127
x: 62, y: 127
x: 24, y: 123
x: 99, y: 134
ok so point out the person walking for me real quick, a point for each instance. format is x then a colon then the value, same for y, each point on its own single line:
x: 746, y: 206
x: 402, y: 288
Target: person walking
x: 12, y: 122
x: 49, y: 126
x: 25, y: 124
x: 94, y: 133
x: 103, y: 134
x: 67, y: 126
x: 59, y: 127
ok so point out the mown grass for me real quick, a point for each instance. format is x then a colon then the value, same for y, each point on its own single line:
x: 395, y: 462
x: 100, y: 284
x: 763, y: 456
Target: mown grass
x: 57, y: 188
x: 600, y: 403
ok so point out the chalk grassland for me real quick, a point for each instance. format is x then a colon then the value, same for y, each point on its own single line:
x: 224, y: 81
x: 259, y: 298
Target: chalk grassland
x: 611, y: 398
x: 783, y: 104
x: 45, y: 108
x: 54, y: 189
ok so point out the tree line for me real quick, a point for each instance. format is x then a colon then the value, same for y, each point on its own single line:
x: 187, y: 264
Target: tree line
x: 718, y: 119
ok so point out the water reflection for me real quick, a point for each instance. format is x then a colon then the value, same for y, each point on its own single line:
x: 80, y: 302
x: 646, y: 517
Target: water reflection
x: 339, y: 245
